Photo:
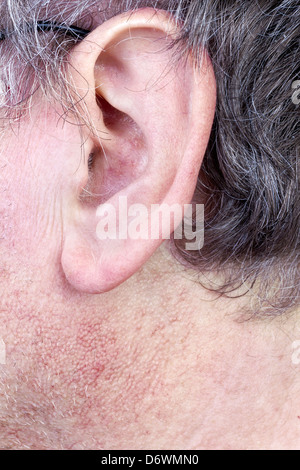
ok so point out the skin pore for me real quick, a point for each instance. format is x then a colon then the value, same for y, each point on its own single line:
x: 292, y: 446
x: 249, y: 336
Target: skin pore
x: 156, y: 363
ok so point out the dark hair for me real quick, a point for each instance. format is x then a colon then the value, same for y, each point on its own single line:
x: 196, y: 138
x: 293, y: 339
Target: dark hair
x: 249, y: 180
x: 250, y: 177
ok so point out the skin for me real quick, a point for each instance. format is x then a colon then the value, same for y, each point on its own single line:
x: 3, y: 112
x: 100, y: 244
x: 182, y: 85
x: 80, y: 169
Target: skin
x: 156, y: 362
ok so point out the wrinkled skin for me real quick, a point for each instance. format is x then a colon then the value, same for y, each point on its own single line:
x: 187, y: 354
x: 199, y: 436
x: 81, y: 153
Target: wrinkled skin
x: 155, y: 363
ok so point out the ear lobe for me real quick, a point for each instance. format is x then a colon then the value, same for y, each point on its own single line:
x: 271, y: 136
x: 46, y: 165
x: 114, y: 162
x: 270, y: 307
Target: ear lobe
x: 155, y: 117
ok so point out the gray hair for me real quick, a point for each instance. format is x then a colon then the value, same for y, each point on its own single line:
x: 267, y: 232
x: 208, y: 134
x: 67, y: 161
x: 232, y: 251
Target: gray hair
x: 249, y: 180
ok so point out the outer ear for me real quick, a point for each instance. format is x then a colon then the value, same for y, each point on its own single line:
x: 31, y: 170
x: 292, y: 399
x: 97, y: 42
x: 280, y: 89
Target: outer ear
x: 154, y: 116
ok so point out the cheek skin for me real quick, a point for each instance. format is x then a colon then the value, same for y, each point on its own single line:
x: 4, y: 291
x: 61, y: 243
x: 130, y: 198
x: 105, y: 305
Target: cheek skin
x: 66, y: 358
x: 85, y: 362
x: 107, y: 371
x: 41, y: 174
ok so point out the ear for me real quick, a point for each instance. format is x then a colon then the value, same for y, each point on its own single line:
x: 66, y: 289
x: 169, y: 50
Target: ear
x: 153, y: 114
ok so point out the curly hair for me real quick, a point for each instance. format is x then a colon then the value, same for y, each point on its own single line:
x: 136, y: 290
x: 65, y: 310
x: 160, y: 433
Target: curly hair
x: 249, y: 180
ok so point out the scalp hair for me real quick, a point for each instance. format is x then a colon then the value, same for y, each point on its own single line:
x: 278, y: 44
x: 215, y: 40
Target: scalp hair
x: 249, y: 181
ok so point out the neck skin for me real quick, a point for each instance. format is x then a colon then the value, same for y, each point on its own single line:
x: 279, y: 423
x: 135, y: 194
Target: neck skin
x: 157, y: 363
x: 164, y: 367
